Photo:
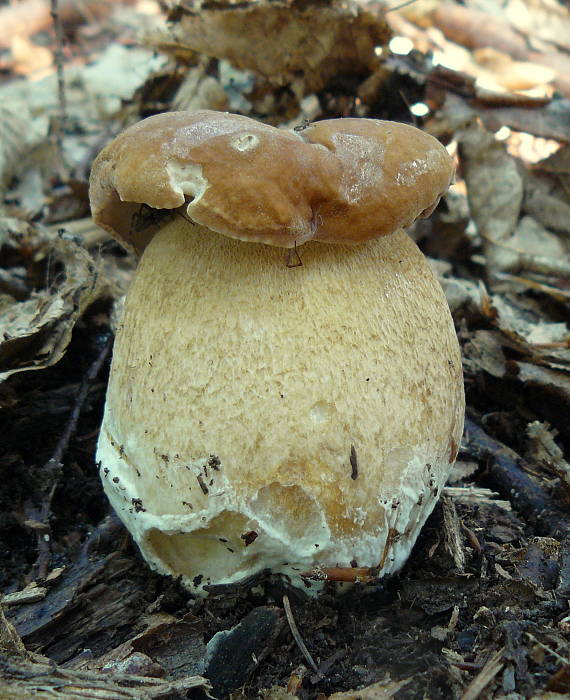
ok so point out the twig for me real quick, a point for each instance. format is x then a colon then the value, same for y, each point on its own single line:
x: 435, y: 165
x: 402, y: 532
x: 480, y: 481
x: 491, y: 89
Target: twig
x: 296, y: 635
x: 52, y: 468
x: 509, y: 479
x: 565, y: 661
x: 60, y: 75
x: 27, y: 595
x: 399, y: 7
x: 343, y: 574
x: 484, y: 677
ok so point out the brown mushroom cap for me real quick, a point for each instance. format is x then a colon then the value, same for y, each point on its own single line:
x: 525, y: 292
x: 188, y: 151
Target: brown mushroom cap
x: 338, y: 180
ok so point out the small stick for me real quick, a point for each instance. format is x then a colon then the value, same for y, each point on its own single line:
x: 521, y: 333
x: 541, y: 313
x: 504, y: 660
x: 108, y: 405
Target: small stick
x: 52, y: 468
x: 399, y: 7
x: 71, y: 426
x: 296, y: 635
x: 565, y: 661
x: 506, y: 474
x: 344, y: 574
x: 58, y: 54
x: 484, y: 677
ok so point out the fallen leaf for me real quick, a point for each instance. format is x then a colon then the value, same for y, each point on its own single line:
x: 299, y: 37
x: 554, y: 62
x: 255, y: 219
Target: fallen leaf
x: 537, y: 19
x: 303, y: 44
x: 495, y: 192
x: 35, y: 333
x: 543, y: 449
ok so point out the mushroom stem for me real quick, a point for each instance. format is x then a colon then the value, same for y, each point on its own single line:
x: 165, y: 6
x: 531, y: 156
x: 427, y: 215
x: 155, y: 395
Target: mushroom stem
x: 243, y: 393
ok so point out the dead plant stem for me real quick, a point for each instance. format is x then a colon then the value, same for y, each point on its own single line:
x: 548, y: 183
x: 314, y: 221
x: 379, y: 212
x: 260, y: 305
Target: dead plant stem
x: 59, y: 61
x: 53, y: 467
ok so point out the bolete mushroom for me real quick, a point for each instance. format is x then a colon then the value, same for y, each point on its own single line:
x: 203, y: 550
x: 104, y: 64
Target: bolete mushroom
x: 261, y: 417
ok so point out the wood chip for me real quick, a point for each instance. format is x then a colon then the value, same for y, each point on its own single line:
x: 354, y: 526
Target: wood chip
x: 28, y: 595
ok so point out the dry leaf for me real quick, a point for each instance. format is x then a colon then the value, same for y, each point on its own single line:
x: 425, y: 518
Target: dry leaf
x: 539, y: 19
x: 546, y: 204
x: 499, y: 69
x: 35, y: 333
x: 304, y: 44
x: 530, y: 333
x: 532, y: 244
x: 543, y: 449
x: 117, y: 74
x: 495, y: 191
x: 200, y: 91
x: 461, y: 293
x: 553, y: 384
x: 484, y: 351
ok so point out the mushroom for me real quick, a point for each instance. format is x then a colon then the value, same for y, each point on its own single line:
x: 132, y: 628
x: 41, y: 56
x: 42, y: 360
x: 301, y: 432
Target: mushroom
x: 261, y: 417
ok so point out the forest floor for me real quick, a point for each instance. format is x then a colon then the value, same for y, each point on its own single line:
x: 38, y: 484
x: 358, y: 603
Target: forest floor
x: 480, y: 610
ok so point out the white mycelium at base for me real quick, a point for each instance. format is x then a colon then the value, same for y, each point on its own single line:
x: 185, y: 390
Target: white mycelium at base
x: 263, y: 417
